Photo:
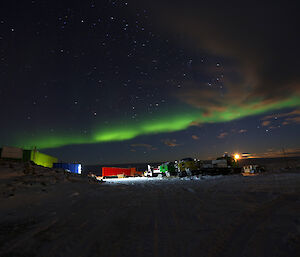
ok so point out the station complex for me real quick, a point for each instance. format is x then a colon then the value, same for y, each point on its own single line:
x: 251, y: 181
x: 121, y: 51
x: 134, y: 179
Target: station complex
x: 227, y: 164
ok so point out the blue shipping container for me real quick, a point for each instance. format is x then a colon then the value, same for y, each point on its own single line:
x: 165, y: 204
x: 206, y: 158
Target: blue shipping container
x: 71, y: 167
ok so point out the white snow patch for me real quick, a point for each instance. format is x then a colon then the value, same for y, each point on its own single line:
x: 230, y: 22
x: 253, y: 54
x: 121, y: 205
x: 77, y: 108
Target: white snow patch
x: 142, y: 180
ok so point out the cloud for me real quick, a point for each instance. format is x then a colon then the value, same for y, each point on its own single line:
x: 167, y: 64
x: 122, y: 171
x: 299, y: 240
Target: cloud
x: 257, y: 38
x: 141, y: 145
x: 274, y: 127
x: 195, y: 137
x: 266, y: 123
x: 170, y: 142
x: 292, y: 120
x: 225, y: 134
x: 196, y: 124
x: 222, y: 135
x: 285, y: 118
x: 276, y: 116
x: 276, y: 153
x: 148, y: 146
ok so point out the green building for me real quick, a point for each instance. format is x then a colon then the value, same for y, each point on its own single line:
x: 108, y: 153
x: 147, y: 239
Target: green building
x: 167, y: 167
x: 39, y: 158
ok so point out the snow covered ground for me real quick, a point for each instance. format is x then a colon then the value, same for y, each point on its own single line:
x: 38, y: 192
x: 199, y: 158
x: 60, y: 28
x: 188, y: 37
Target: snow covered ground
x: 44, y: 212
x: 156, y: 180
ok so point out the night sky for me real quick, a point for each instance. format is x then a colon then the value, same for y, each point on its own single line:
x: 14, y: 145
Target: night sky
x: 140, y: 81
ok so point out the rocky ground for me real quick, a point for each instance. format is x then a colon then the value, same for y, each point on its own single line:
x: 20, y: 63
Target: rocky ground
x: 44, y: 212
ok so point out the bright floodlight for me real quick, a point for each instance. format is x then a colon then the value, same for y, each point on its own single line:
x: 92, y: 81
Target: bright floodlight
x: 237, y: 156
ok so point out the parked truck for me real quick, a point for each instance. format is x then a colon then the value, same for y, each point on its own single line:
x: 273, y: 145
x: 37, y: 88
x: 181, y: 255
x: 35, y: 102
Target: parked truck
x: 153, y: 172
x: 188, y: 167
x: 168, y: 169
x: 222, y: 165
x: 252, y: 170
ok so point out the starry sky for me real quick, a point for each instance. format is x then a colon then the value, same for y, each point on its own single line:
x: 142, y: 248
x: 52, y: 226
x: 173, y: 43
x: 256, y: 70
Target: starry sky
x: 141, y: 81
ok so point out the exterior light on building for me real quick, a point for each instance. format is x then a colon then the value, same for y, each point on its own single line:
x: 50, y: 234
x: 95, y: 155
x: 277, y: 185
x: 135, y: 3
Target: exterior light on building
x: 237, y: 156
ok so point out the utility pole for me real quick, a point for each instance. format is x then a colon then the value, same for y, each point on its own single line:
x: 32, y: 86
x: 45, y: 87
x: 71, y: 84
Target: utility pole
x: 285, y: 158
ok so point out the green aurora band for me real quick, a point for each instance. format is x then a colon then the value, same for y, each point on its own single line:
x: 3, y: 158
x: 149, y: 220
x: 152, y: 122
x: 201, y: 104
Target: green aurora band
x: 167, y: 123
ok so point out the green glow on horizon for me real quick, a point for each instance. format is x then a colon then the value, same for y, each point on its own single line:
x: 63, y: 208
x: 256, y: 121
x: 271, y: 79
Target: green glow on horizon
x: 163, y: 124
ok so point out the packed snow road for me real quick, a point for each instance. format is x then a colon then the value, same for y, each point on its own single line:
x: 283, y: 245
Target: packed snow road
x: 211, y: 216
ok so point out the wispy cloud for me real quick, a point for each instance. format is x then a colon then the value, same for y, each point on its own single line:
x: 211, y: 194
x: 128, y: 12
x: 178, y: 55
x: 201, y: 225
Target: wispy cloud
x: 292, y: 120
x: 266, y: 123
x: 281, y: 115
x: 284, y: 118
x: 275, y: 153
x: 170, y: 142
x: 222, y: 135
x: 147, y: 146
x: 250, y: 84
x: 232, y: 131
x: 141, y: 145
x: 196, y: 124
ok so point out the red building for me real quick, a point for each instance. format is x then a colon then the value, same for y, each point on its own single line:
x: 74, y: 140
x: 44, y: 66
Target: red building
x: 113, y: 171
